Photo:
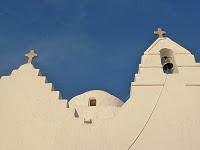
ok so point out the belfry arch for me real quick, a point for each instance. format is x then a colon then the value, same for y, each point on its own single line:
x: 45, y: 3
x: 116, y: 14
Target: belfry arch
x: 168, y: 62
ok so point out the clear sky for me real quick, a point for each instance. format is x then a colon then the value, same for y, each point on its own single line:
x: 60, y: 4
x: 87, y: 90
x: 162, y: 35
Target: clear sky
x: 92, y: 44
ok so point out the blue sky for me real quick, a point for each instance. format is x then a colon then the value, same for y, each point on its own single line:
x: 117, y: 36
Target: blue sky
x: 92, y: 44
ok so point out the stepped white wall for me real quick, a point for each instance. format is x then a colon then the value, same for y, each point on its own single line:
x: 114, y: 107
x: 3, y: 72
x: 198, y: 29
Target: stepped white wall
x: 161, y: 114
x: 163, y: 110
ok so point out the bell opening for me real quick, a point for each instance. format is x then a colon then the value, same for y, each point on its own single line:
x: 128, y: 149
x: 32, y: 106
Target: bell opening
x: 167, y: 61
x: 168, y: 66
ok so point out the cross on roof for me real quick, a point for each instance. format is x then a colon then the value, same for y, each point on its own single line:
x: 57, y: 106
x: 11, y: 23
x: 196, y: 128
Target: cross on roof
x: 160, y: 32
x: 31, y: 55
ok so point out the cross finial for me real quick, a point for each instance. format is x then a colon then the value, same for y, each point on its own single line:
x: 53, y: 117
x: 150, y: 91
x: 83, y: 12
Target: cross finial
x: 31, y: 55
x: 160, y: 32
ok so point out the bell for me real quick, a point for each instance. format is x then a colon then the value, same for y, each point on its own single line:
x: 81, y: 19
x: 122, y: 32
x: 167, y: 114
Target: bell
x: 168, y: 65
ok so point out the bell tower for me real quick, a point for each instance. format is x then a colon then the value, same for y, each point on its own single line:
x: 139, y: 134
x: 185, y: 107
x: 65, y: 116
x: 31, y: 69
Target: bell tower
x: 164, y: 57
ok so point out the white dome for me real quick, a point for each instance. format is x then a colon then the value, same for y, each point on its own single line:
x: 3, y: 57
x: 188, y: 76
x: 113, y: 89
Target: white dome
x: 102, y: 99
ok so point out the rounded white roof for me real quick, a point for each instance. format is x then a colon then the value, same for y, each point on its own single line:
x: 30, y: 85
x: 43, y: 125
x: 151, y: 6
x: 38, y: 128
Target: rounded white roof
x: 102, y: 99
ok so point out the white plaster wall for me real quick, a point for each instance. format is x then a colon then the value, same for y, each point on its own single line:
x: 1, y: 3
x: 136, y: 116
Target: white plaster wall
x: 161, y: 114
x: 30, y: 113
x: 175, y: 122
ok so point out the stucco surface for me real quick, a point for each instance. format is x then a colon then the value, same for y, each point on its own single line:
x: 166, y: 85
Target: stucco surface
x: 162, y: 112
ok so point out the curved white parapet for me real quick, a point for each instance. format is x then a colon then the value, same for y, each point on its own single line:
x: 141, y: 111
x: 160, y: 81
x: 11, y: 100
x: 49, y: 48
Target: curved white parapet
x: 102, y: 99
x: 106, y: 105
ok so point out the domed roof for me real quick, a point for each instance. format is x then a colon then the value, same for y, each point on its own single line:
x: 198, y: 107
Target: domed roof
x: 102, y: 98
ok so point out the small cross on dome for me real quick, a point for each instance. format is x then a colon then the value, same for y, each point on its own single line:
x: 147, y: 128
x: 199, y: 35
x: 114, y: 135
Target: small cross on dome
x: 160, y: 32
x: 31, y: 55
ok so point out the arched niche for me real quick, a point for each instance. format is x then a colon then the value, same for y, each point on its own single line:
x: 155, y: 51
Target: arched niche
x: 168, y: 62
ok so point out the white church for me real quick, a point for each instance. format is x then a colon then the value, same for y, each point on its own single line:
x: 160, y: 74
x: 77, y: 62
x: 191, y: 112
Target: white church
x: 162, y: 113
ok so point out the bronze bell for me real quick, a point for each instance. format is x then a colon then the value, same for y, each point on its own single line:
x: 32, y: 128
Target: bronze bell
x: 167, y: 65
